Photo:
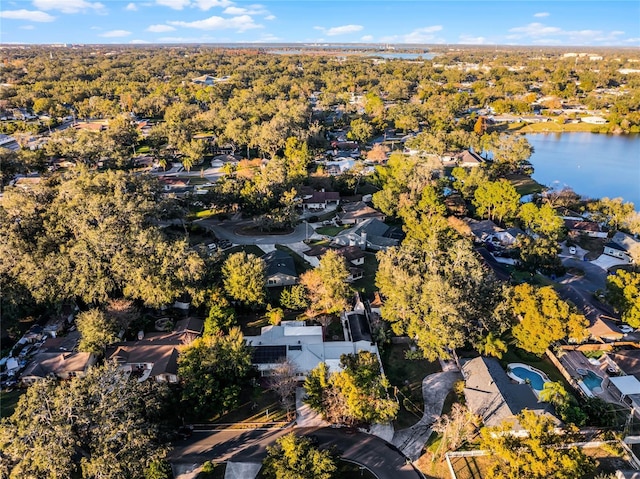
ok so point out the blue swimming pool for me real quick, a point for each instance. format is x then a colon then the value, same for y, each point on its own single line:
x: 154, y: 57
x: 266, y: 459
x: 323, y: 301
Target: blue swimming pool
x: 592, y: 380
x: 535, y: 380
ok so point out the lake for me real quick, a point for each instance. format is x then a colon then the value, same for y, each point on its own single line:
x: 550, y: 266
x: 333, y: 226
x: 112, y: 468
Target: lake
x: 593, y: 165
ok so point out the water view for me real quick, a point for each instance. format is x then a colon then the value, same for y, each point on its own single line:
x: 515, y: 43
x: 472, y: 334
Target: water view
x: 593, y: 165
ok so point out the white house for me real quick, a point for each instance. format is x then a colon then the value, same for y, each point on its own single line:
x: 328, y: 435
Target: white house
x: 593, y: 120
x: 620, y: 246
x: 305, y: 346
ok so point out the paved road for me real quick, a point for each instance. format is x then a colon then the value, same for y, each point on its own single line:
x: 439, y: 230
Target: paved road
x: 383, y: 459
x: 226, y: 231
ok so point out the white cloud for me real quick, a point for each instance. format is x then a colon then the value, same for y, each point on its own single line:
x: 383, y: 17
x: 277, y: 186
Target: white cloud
x: 539, y: 33
x: 419, y: 35
x: 341, y: 30
x: 175, y: 4
x: 139, y: 42
x: 115, y: 34
x: 240, y: 23
x: 267, y: 38
x: 68, y: 6
x: 541, y: 14
x: 469, y: 40
x: 632, y: 40
x: 132, y: 7
x: 367, y: 38
x: 160, y: 28
x: 270, y: 17
x: 249, y: 10
x: 31, y: 15
x: 208, y: 4
x: 28, y: 27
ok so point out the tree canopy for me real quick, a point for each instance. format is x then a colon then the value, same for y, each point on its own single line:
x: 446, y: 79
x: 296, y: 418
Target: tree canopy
x: 295, y: 457
x: 104, y: 425
x: 326, y: 285
x: 244, y: 278
x: 623, y: 292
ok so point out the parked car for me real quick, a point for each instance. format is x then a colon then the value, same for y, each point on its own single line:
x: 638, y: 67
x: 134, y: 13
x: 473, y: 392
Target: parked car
x: 626, y: 329
x: 224, y: 244
x: 572, y: 250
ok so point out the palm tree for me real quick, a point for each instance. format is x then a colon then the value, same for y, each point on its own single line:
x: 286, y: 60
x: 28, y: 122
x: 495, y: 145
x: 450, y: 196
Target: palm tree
x: 555, y: 393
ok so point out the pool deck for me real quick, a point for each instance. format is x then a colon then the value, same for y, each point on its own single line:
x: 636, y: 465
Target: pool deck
x: 574, y: 360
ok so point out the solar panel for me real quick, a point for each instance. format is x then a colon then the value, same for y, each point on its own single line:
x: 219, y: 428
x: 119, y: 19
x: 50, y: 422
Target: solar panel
x: 269, y: 354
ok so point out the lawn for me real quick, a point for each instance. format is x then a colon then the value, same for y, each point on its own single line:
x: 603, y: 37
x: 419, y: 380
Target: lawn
x: 551, y: 126
x: 368, y: 282
x: 8, y: 401
x: 331, y: 230
x: 524, y: 184
x: 407, y: 375
x: 257, y: 407
x: 247, y: 248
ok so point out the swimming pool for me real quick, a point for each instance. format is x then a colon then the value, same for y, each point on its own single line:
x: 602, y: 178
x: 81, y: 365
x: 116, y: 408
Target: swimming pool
x: 593, y: 381
x: 524, y: 373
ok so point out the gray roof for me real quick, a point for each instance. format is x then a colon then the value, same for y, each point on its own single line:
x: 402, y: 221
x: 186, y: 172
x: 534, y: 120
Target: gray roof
x: 491, y: 394
x: 622, y: 241
x: 279, y: 262
x: 359, y: 210
x: 482, y: 229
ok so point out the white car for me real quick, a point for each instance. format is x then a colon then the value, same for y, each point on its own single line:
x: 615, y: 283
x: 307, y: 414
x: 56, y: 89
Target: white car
x: 572, y: 250
x: 626, y: 329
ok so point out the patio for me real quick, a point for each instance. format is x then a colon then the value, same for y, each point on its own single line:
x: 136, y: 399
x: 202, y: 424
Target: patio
x: 573, y: 361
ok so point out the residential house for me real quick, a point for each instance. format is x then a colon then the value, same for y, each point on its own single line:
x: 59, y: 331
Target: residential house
x: 319, y: 200
x: 371, y: 233
x: 354, y: 213
x: 156, y: 354
x: 219, y: 161
x: 620, y: 246
x: 354, y: 274
x: 174, y: 185
x: 339, y: 165
x: 57, y: 364
x: 594, y: 120
x: 626, y: 362
x: 486, y: 231
x: 604, y: 329
x: 305, y: 346
x: 493, y: 396
x: 625, y: 389
x: 209, y: 80
x: 469, y: 159
x: 582, y: 227
x: 280, y: 269
x: 353, y: 255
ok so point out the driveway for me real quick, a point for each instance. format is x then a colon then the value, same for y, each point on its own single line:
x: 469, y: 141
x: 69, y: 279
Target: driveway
x: 249, y: 446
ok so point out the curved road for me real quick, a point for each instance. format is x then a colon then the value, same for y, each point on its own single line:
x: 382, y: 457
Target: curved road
x: 226, y: 231
x: 380, y: 457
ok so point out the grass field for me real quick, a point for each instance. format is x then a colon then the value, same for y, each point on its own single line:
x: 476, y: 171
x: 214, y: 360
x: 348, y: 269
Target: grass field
x: 551, y: 126
x: 331, y: 230
x: 524, y: 184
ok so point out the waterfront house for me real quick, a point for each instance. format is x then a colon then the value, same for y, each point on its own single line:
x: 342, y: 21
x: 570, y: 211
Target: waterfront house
x: 620, y: 246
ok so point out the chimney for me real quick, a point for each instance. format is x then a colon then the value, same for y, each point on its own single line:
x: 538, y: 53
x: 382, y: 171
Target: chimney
x: 363, y: 237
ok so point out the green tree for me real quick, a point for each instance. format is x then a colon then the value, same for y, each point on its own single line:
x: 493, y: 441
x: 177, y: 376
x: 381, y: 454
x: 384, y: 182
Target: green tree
x: 543, y: 318
x: 612, y: 211
x: 315, y: 385
x: 326, y: 285
x: 244, y: 278
x: 221, y: 317
x: 295, y: 457
x: 492, y: 345
x: 497, y: 200
x: 102, y: 425
x: 540, y: 454
x: 213, y: 370
x: 96, y: 331
x: 623, y: 292
x: 361, y: 131
x: 541, y: 221
x: 555, y: 393
x: 294, y: 297
x: 539, y: 255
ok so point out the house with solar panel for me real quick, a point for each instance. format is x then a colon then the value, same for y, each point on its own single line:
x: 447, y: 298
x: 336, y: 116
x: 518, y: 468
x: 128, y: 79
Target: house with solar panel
x: 306, y: 346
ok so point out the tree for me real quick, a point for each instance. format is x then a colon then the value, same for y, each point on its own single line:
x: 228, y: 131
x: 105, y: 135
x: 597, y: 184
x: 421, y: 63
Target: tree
x: 103, y: 425
x: 96, y: 331
x: 244, y: 278
x: 378, y: 153
x: 623, y: 292
x: 192, y: 153
x: 538, y: 455
x: 213, y: 370
x: 492, y: 345
x: 326, y: 285
x: 612, y: 211
x: 294, y: 297
x: 275, y: 315
x: 497, y: 200
x: 455, y: 428
x: 555, y: 393
x: 361, y: 131
x: 543, y: 318
x: 295, y: 457
x: 539, y: 255
x: 541, y: 221
x: 315, y: 385
x: 283, y: 381
x: 221, y: 318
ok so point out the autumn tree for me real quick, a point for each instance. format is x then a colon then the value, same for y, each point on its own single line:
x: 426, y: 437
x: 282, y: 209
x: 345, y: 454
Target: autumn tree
x: 455, y: 428
x: 623, y: 292
x: 540, y: 454
x: 294, y: 297
x: 612, y: 211
x: 283, y: 381
x: 213, y: 370
x: 96, y: 331
x: 543, y: 318
x: 244, y: 278
x: 360, y: 131
x: 295, y: 457
x: 326, y: 285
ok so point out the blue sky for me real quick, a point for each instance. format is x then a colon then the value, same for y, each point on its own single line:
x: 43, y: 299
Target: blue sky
x: 518, y: 22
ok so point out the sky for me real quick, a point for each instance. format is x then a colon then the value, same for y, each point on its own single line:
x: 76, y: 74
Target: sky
x: 501, y: 22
